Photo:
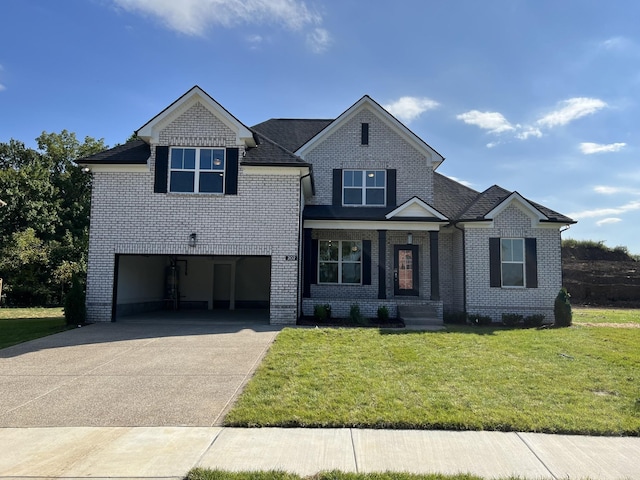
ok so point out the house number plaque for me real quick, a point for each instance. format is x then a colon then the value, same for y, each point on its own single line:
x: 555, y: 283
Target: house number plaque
x: 291, y: 258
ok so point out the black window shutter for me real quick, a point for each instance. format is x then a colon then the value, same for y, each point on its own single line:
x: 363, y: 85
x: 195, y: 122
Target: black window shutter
x: 161, y: 171
x: 391, y: 187
x: 366, y: 262
x: 307, y: 264
x: 313, y: 274
x: 531, y: 262
x: 364, y: 137
x: 231, y: 174
x: 337, y: 186
x: 495, y: 267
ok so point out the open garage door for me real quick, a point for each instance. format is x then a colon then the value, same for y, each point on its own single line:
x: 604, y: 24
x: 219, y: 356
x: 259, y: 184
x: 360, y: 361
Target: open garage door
x: 147, y: 283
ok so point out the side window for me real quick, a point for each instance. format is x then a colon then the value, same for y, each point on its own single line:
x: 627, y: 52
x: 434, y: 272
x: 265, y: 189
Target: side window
x: 512, y: 262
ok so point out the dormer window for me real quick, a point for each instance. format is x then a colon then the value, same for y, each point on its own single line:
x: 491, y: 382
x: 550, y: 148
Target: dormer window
x: 196, y: 170
x: 364, y: 187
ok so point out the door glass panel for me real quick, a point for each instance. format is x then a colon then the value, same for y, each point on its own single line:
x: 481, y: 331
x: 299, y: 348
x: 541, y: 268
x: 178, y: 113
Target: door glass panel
x: 405, y: 270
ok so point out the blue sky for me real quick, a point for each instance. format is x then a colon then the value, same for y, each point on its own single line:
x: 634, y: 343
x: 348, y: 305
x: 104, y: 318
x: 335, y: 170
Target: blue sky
x: 538, y: 96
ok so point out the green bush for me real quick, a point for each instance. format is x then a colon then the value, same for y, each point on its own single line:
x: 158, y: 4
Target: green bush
x: 536, y: 320
x: 355, y: 316
x: 479, y: 320
x: 562, y: 309
x: 322, y: 312
x: 383, y: 313
x: 75, y: 312
x: 511, y: 319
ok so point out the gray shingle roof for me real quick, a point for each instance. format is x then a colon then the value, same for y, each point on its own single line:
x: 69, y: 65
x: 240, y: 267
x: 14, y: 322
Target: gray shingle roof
x: 268, y: 152
x: 135, y: 152
x: 291, y: 133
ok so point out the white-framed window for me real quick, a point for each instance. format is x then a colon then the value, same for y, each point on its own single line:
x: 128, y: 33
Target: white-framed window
x: 364, y: 187
x: 512, y: 262
x: 340, y: 262
x: 196, y: 170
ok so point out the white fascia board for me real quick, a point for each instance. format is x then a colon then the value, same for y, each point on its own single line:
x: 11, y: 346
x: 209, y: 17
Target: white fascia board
x: 521, y: 202
x: 415, y: 208
x: 149, y: 132
x: 373, y: 225
x: 300, y: 171
x: 479, y: 224
x: 433, y: 157
x: 116, y: 168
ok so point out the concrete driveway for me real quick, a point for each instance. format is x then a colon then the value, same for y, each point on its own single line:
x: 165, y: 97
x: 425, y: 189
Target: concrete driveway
x: 151, y: 371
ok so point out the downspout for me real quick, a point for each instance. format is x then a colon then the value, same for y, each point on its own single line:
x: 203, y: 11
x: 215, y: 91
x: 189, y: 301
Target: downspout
x: 464, y: 267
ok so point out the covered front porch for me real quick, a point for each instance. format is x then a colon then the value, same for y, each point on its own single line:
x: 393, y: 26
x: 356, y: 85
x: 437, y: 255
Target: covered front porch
x: 389, y: 260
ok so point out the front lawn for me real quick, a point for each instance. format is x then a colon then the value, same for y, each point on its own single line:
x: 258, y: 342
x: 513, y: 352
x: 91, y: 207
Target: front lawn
x: 581, y: 380
x: 606, y: 315
x: 19, y: 325
x: 208, y: 474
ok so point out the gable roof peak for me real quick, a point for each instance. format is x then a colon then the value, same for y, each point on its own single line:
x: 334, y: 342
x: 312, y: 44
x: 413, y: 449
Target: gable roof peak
x: 149, y: 132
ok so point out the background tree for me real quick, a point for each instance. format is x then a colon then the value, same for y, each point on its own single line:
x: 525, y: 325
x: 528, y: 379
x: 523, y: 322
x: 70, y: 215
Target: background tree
x: 47, y: 209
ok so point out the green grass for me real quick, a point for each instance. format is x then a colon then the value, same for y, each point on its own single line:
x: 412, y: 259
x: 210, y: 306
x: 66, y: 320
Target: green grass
x: 19, y: 325
x: 207, y: 474
x: 579, y: 380
x: 606, y: 315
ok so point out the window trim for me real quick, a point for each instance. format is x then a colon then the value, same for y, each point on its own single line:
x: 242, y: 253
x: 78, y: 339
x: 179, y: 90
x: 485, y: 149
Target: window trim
x: 340, y: 261
x: 197, y: 170
x: 364, y: 187
x: 522, y: 262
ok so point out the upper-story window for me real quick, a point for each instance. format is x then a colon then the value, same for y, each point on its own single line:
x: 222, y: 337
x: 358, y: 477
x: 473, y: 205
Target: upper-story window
x: 512, y: 262
x: 364, y: 187
x: 197, y: 170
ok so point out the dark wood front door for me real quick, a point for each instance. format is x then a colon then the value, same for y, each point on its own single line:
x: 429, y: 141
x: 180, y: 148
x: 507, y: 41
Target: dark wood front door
x: 406, y: 270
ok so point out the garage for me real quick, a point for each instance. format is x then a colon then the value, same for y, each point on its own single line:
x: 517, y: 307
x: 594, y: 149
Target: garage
x: 198, y: 283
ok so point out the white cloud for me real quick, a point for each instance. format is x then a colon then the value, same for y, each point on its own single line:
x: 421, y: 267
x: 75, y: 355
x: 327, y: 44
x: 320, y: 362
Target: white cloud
x: 193, y: 17
x: 607, y: 190
x: 604, y: 212
x: 608, y: 221
x: 2, y: 87
x: 527, y: 132
x: 589, y: 148
x: 319, y: 40
x: 492, y: 121
x: 571, y: 109
x: 408, y: 109
x: 615, y: 43
x: 463, y: 182
x: 493, y: 144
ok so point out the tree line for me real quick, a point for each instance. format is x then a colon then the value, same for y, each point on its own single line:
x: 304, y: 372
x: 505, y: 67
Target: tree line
x: 44, y: 217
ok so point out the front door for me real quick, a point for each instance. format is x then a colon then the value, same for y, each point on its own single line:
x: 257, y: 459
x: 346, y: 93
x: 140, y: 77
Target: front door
x: 406, y: 270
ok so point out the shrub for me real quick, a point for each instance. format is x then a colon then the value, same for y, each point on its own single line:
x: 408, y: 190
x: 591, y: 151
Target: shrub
x: 322, y: 312
x: 383, y: 313
x: 479, y: 320
x: 562, y: 309
x: 511, y: 319
x: 75, y: 312
x: 458, y: 318
x: 355, y: 316
x: 536, y: 320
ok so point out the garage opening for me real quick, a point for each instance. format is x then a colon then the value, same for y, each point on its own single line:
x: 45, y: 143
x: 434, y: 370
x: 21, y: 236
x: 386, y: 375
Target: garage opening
x: 148, y: 283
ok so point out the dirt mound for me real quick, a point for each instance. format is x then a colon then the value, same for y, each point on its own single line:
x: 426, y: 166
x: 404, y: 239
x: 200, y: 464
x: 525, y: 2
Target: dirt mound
x: 596, y: 275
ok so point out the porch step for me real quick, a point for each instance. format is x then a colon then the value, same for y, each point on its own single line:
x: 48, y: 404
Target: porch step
x: 419, y: 316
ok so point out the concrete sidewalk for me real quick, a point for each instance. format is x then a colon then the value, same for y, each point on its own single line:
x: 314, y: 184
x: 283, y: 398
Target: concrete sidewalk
x: 170, y: 452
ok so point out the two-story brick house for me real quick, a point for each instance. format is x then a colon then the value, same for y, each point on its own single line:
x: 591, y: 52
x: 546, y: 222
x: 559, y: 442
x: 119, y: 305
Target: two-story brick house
x: 202, y: 212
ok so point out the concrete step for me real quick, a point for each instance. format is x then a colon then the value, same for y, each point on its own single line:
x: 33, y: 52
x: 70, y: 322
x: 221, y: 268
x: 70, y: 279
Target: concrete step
x: 419, y: 316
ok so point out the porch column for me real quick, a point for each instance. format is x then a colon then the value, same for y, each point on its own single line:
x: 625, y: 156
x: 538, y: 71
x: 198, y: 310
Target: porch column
x: 435, y: 265
x: 382, y: 264
x: 307, y: 259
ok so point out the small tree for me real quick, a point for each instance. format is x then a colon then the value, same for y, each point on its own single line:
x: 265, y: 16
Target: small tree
x: 562, y: 309
x: 75, y: 312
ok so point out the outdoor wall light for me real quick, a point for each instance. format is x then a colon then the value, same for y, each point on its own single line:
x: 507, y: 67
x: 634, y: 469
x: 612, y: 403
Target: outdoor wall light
x: 409, y: 238
x: 192, y: 240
